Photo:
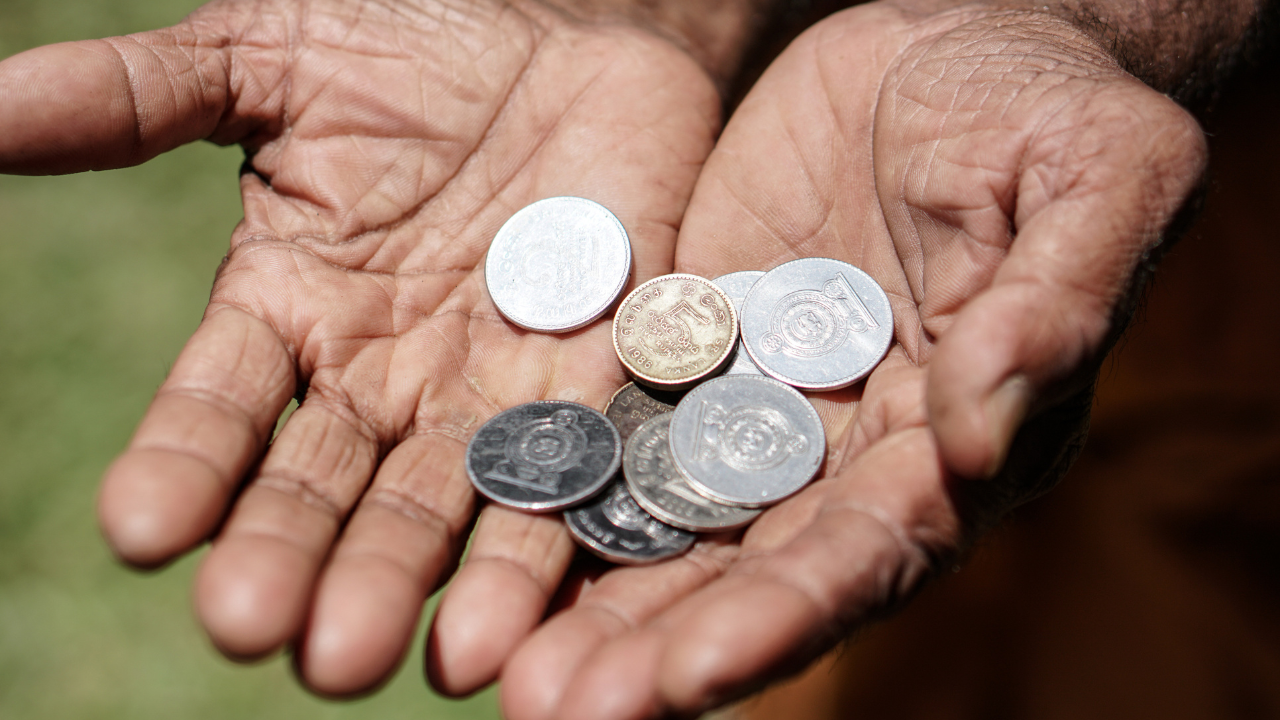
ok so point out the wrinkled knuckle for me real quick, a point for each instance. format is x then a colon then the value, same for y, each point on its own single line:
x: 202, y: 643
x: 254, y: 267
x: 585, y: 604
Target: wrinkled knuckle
x: 306, y: 491
x: 417, y: 509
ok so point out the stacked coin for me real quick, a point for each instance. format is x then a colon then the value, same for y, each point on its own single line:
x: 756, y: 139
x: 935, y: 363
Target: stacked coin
x: 636, y: 482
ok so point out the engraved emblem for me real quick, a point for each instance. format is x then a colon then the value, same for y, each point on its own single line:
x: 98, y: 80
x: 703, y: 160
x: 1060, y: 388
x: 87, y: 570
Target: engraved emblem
x: 669, y: 334
x: 811, y: 323
x: 538, y: 451
x: 624, y: 512
x: 747, y: 438
x: 561, y: 260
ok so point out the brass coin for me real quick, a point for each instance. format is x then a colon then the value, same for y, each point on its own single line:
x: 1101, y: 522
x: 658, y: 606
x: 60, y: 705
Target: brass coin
x: 674, y: 331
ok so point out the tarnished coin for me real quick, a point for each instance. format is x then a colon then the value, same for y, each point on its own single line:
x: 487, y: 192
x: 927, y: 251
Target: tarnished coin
x: 746, y: 440
x: 558, y: 264
x: 675, y: 330
x: 736, y: 285
x: 817, y: 323
x: 543, y: 456
x: 614, y: 527
x: 659, y: 487
x: 633, y: 404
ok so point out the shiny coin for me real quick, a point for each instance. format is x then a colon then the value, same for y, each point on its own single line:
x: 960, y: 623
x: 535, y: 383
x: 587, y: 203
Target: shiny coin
x: 675, y: 330
x: 817, y: 323
x: 633, y: 404
x: 614, y: 527
x: 736, y: 285
x: 659, y: 487
x: 746, y: 440
x: 558, y: 264
x: 544, y: 456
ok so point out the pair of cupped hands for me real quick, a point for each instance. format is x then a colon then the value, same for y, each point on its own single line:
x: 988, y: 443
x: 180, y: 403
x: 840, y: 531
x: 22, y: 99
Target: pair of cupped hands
x: 994, y: 169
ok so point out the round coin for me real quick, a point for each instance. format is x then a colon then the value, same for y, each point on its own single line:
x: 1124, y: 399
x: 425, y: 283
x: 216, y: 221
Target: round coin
x: 659, y: 487
x: 615, y: 528
x: 746, y: 440
x: 817, y: 323
x: 633, y: 404
x: 544, y: 456
x: 675, y: 330
x: 558, y: 264
x: 736, y: 285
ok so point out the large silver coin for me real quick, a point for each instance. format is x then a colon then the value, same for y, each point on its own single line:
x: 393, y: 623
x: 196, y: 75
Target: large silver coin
x: 736, y: 285
x: 658, y: 485
x: 558, y: 264
x: 615, y: 528
x: 746, y: 440
x: 544, y: 456
x: 817, y: 323
x: 675, y: 330
x: 634, y: 404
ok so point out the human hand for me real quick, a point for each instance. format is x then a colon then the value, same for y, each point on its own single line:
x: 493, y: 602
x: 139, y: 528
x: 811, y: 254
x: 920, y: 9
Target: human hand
x: 387, y: 142
x: 917, y: 147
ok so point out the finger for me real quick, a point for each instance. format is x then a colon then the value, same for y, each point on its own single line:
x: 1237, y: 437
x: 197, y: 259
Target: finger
x: 535, y: 678
x: 1087, y: 213
x: 254, y: 587
x: 401, y: 542
x: 110, y: 103
x: 517, y: 561
x: 208, y: 424
x: 869, y: 548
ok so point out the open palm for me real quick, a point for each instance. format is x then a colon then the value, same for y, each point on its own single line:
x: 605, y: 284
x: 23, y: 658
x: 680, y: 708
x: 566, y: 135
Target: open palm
x: 386, y: 145
x: 1002, y: 178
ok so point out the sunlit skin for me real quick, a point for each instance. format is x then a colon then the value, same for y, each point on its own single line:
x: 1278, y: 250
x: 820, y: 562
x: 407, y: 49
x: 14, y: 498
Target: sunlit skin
x: 389, y: 141
x: 915, y: 148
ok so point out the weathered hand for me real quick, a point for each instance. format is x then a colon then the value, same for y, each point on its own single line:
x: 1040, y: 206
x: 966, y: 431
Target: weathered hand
x: 1003, y: 179
x: 387, y: 142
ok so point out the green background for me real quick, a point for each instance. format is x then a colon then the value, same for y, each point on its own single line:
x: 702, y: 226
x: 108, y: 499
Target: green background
x: 102, y: 278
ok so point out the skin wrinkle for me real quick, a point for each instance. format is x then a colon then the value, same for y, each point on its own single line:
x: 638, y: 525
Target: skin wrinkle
x: 304, y: 491
x: 239, y: 416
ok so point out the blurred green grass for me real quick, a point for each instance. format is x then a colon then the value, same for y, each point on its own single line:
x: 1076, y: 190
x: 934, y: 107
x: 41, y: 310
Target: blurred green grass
x: 102, y: 278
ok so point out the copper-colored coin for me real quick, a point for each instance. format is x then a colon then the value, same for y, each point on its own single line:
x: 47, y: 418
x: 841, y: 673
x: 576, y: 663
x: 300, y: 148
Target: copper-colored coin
x: 633, y: 404
x: 675, y: 331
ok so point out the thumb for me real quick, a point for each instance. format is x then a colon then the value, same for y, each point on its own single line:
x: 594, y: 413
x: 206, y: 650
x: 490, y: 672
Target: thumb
x: 1087, y: 216
x: 100, y: 104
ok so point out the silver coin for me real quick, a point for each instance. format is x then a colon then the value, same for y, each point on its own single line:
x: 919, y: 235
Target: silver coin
x: 615, y: 528
x: 659, y: 487
x: 746, y: 440
x: 675, y: 330
x: 544, y: 456
x: 633, y: 404
x: 558, y: 264
x: 736, y: 285
x: 817, y: 323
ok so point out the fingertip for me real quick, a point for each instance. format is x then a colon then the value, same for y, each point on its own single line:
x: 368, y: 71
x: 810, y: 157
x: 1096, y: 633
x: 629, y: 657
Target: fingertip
x: 483, y: 616
x: 497, y: 598
x: 359, y: 629
x: 155, y: 505
x: 536, y: 676
x: 1005, y: 409
x: 246, y: 596
x: 737, y: 639
x: 617, y: 683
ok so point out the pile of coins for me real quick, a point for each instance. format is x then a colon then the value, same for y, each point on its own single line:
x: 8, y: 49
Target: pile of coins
x: 713, y: 429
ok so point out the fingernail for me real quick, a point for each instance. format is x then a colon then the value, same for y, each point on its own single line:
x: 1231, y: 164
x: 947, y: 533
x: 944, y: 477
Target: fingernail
x: 1006, y: 408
